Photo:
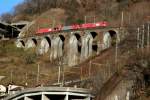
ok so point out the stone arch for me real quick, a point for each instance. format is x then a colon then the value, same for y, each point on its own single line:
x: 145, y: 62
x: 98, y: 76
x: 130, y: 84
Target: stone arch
x: 94, y: 46
x: 113, y: 35
x: 23, y: 43
x: 62, y: 37
x: 73, y: 49
x: 77, y: 36
x: 93, y: 34
x: 87, y: 43
x: 20, y: 43
x: 56, y: 47
x: 44, y: 45
x: 32, y: 42
x: 48, y: 40
x: 35, y: 41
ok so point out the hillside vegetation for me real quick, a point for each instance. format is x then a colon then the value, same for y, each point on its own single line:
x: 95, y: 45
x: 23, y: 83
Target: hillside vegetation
x: 76, y: 10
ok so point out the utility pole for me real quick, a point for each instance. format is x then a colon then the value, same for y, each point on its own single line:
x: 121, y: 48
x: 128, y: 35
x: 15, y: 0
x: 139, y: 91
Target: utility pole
x: 94, y: 19
x: 116, y: 97
x: 28, y: 28
x: 12, y: 34
x: 90, y: 68
x: 138, y: 37
x: 116, y: 55
x: 108, y: 69
x: 63, y: 78
x: 26, y: 79
x: 85, y: 18
x: 148, y: 38
x: 59, y: 69
x: 143, y: 38
x: 38, y: 73
x: 129, y: 18
x: 11, y: 76
x: 122, y: 18
x: 91, y: 17
x: 81, y: 73
x: 54, y: 21
x: 128, y: 95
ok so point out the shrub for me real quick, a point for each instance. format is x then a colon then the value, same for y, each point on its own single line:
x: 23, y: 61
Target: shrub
x: 30, y: 57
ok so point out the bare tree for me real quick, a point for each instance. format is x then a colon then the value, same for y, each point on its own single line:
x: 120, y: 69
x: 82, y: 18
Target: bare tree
x: 7, y: 17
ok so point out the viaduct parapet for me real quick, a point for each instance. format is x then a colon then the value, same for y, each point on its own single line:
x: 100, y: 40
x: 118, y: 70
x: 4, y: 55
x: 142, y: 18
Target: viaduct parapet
x: 52, y: 93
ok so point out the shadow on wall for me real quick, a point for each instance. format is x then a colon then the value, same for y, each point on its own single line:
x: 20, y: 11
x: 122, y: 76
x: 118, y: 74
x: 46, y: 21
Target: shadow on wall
x: 113, y: 35
x: 95, y: 46
x: 63, y: 39
x: 94, y: 34
x: 22, y: 42
x: 78, y: 37
x: 48, y: 40
x: 35, y: 41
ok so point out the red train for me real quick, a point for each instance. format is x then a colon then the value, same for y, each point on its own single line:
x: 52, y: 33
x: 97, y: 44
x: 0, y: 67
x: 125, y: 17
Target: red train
x: 73, y: 27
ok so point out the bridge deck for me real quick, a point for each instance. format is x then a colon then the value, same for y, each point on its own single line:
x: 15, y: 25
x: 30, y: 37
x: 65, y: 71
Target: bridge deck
x: 52, y: 93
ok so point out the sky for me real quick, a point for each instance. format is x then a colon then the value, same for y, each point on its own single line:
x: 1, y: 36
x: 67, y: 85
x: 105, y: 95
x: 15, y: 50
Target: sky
x: 8, y: 5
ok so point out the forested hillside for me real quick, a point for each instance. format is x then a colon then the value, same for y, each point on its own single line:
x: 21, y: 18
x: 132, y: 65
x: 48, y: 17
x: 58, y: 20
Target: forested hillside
x: 76, y: 10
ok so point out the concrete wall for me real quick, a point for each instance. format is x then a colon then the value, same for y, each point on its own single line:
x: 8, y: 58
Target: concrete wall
x: 52, y: 93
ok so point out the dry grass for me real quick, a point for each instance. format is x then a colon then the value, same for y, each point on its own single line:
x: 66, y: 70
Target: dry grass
x: 23, y: 64
x: 14, y: 60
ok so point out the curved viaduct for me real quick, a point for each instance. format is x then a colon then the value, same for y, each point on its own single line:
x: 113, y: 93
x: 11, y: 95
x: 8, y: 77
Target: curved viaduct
x: 75, y: 46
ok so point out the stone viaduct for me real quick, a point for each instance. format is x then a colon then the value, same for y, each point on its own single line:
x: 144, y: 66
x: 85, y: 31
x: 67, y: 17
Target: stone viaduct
x: 74, y: 46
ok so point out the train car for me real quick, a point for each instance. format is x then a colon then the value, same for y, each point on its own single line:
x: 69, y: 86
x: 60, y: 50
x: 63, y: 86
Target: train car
x: 44, y: 30
x: 88, y: 25
x: 101, y: 24
x: 65, y: 28
x: 76, y: 26
x: 72, y: 27
x: 57, y: 29
x: 94, y: 25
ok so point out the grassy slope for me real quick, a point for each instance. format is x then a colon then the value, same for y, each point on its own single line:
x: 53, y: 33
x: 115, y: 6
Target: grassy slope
x: 15, y: 60
x: 21, y: 62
